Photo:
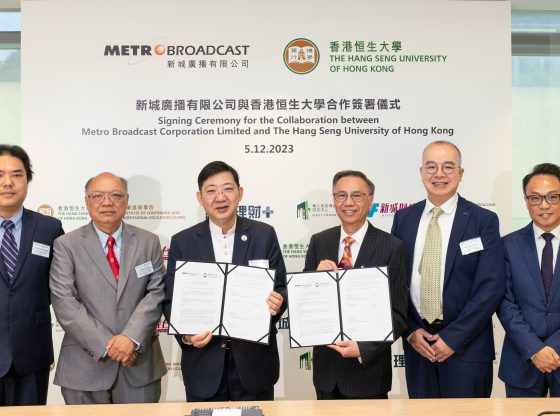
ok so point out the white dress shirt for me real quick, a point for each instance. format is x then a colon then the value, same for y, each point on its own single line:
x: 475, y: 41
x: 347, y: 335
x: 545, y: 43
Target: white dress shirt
x: 222, y: 243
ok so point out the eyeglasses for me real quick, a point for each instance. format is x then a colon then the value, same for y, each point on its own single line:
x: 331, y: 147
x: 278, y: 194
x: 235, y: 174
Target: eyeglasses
x: 551, y: 199
x: 446, y: 168
x: 114, y: 197
x: 343, y: 196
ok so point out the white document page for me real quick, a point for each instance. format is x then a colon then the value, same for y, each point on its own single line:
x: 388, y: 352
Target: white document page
x: 366, y: 305
x: 197, y: 298
x: 246, y: 315
x: 313, y: 309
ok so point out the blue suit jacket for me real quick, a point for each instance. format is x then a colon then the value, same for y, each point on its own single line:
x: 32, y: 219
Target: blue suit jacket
x: 530, y: 321
x: 473, y: 286
x: 258, y: 365
x: 25, y: 318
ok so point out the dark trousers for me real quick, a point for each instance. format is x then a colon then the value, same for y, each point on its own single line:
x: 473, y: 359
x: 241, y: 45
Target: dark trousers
x: 337, y: 395
x: 452, y: 378
x: 28, y: 390
x: 231, y: 388
x: 546, y: 383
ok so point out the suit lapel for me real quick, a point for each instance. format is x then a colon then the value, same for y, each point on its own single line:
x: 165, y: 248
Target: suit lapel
x: 128, y: 251
x: 332, y: 245
x: 27, y: 230
x: 369, y: 245
x: 241, y: 241
x: 203, y: 243
x: 462, y: 217
x: 555, y: 277
x: 411, y: 233
x: 531, y: 258
x: 92, y: 245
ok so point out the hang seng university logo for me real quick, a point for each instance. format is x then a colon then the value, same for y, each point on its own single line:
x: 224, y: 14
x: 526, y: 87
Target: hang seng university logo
x: 301, y: 56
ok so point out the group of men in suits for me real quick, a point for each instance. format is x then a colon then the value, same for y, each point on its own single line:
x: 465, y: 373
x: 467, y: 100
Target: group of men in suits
x: 447, y: 270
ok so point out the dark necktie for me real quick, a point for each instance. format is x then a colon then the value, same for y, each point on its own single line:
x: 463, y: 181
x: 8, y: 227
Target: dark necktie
x: 346, y: 260
x: 9, y: 249
x: 113, y: 262
x: 546, y: 263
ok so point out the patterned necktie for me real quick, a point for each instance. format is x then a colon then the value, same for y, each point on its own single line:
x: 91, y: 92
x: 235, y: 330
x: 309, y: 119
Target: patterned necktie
x: 9, y: 249
x: 430, y: 270
x: 546, y: 263
x: 346, y: 260
x: 113, y: 262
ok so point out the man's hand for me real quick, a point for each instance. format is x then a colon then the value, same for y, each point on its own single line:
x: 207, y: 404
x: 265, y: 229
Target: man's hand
x: 327, y: 265
x: 419, y: 341
x: 130, y: 359
x: 274, y: 302
x: 442, y: 350
x: 546, y: 360
x: 120, y: 347
x: 347, y: 349
x: 199, y: 340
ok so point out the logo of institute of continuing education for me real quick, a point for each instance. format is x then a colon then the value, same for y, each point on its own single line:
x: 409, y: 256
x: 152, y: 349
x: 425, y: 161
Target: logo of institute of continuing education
x: 301, y: 56
x: 46, y: 210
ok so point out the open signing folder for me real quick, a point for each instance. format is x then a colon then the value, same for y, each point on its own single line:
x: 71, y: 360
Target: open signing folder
x: 222, y: 298
x: 325, y: 307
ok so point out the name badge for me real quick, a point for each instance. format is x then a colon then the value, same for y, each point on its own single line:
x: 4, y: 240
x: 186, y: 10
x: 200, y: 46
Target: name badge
x: 144, y: 269
x: 263, y: 263
x: 42, y: 250
x: 471, y: 246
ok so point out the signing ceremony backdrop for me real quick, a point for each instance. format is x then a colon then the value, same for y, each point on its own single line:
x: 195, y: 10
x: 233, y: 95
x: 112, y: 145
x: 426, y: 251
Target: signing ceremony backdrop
x: 288, y: 93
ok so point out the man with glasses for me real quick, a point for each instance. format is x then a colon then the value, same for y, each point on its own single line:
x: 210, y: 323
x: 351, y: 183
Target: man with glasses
x: 456, y: 280
x: 219, y: 368
x: 530, y: 311
x: 107, y: 290
x: 350, y: 369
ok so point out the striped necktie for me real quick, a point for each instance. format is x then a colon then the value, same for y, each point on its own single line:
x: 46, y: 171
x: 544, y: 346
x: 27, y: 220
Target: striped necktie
x: 9, y: 249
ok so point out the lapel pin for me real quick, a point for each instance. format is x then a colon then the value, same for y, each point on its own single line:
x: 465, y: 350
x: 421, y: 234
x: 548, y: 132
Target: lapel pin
x: 243, y: 237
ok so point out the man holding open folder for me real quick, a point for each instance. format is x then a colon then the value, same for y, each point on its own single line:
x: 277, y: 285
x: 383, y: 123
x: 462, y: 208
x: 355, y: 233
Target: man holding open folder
x: 350, y: 369
x: 217, y: 368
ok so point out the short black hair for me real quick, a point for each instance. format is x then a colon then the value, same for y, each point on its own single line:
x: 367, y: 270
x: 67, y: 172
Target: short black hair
x: 18, y: 152
x: 213, y: 168
x: 357, y: 173
x: 541, y: 169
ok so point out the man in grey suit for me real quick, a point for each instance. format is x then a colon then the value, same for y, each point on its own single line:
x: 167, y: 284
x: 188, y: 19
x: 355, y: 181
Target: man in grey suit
x: 350, y: 369
x: 107, y: 289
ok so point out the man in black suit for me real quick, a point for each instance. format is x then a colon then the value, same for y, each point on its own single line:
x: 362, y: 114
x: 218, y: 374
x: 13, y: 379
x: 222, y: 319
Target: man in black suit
x: 26, y: 349
x: 350, y: 369
x: 218, y: 368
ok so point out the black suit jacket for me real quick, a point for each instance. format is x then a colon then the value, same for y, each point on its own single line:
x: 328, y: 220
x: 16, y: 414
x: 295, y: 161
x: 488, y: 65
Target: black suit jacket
x: 258, y: 365
x: 25, y: 318
x: 373, y: 376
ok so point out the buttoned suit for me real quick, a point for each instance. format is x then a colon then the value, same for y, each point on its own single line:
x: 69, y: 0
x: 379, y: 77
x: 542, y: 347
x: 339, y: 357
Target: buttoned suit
x: 25, y: 318
x: 257, y: 365
x: 473, y: 286
x: 373, y: 376
x: 91, y: 308
x: 531, y: 321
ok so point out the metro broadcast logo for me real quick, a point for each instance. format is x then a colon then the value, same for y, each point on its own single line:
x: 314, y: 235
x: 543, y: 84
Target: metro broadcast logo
x: 176, y: 50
